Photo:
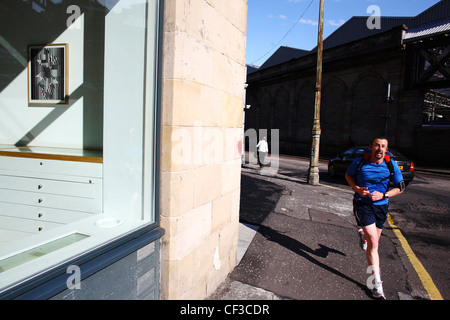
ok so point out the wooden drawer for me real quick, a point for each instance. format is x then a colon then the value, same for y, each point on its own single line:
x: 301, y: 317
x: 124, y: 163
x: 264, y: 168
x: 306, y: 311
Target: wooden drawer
x: 41, y: 214
x: 77, y: 189
x: 25, y: 225
x: 47, y: 200
x: 18, y: 165
x: 38, y: 194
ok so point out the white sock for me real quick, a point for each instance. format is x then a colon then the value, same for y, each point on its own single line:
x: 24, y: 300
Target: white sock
x: 377, y: 279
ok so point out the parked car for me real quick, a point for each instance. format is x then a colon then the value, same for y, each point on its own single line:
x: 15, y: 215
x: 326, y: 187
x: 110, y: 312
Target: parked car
x: 338, y: 166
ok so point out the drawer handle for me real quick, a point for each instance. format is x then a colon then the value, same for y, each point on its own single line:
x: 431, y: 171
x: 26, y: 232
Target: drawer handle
x: 40, y: 215
x: 41, y: 228
x: 39, y: 186
x: 40, y: 200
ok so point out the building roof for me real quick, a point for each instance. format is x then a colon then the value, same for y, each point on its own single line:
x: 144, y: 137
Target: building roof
x: 356, y: 29
x: 284, y: 54
x: 251, y: 68
x: 428, y: 22
x: 429, y: 29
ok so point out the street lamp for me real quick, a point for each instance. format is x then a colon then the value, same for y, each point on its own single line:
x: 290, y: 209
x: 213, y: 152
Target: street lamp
x: 387, y: 115
x: 313, y: 175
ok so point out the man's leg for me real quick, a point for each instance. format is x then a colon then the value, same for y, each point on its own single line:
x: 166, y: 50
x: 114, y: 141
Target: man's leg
x: 373, y: 234
x: 262, y: 159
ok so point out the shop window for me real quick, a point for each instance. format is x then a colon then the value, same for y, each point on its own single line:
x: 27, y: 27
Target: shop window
x: 76, y: 172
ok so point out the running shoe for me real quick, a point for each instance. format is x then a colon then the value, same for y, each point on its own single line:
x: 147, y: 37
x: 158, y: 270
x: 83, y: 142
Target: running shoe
x: 377, y: 291
x: 362, y: 240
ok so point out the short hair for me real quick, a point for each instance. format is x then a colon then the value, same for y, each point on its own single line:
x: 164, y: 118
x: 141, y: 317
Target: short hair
x: 378, y: 137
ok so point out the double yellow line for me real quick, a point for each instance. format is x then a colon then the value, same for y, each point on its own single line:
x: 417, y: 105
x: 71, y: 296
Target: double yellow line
x: 427, y: 282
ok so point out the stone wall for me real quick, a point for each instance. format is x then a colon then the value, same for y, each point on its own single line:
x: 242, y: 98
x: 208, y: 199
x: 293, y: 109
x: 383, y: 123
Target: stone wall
x: 432, y: 148
x: 202, y: 110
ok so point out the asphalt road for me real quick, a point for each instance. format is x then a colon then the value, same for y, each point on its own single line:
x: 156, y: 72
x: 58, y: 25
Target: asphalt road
x: 422, y: 213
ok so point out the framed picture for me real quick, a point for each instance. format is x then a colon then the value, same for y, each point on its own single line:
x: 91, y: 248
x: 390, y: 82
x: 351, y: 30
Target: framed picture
x: 48, y: 74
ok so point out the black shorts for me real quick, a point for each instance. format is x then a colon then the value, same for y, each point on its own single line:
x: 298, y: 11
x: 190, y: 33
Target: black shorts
x: 367, y: 214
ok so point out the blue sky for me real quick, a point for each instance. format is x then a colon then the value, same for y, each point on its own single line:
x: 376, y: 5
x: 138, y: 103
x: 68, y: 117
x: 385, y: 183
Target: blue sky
x: 269, y: 21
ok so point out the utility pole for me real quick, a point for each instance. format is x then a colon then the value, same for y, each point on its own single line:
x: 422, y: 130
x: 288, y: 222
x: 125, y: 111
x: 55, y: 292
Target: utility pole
x: 313, y: 175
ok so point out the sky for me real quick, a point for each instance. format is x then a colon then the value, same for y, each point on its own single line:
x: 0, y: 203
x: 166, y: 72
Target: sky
x: 294, y: 23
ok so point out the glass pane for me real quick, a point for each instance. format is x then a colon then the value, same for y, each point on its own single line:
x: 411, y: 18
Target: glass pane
x: 40, y: 251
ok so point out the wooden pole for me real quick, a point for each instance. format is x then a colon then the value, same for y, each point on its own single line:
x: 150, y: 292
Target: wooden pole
x: 313, y: 175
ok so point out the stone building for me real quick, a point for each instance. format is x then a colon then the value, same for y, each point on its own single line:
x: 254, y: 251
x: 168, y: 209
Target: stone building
x: 407, y: 56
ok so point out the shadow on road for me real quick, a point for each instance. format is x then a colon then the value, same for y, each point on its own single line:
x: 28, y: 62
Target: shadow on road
x: 258, y: 199
x: 306, y: 252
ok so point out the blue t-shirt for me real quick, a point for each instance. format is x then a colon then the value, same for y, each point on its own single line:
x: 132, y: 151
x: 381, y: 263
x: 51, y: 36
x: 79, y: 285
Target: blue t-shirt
x: 373, y: 176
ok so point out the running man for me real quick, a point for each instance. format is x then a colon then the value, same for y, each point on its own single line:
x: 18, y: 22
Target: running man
x: 371, y: 201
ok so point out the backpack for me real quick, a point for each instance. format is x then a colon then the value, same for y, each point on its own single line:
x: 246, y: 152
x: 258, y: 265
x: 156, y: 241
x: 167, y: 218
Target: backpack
x: 387, y: 159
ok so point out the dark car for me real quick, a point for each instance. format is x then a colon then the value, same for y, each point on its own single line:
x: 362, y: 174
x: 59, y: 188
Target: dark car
x: 339, y: 165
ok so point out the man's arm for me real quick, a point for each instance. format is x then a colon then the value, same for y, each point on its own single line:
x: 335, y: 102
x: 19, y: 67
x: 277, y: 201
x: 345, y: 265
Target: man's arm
x: 375, y: 196
x: 362, y: 191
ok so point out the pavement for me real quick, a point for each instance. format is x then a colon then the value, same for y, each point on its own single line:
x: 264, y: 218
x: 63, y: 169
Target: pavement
x: 299, y: 242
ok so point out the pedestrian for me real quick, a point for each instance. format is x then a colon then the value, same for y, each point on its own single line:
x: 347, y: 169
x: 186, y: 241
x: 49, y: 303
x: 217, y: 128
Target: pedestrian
x: 263, y: 148
x: 369, y: 179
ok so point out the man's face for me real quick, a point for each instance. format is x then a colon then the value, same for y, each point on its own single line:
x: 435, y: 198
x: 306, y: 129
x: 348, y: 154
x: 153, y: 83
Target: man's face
x: 379, y: 148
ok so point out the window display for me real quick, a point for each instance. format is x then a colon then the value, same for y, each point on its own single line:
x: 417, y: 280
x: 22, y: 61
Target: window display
x: 77, y: 151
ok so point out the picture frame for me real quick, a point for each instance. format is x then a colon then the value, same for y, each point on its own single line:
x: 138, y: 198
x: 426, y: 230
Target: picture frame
x: 48, y: 74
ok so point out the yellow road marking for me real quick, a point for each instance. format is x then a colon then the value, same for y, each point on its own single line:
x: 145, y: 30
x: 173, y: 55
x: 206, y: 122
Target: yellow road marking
x: 338, y: 188
x: 427, y: 282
